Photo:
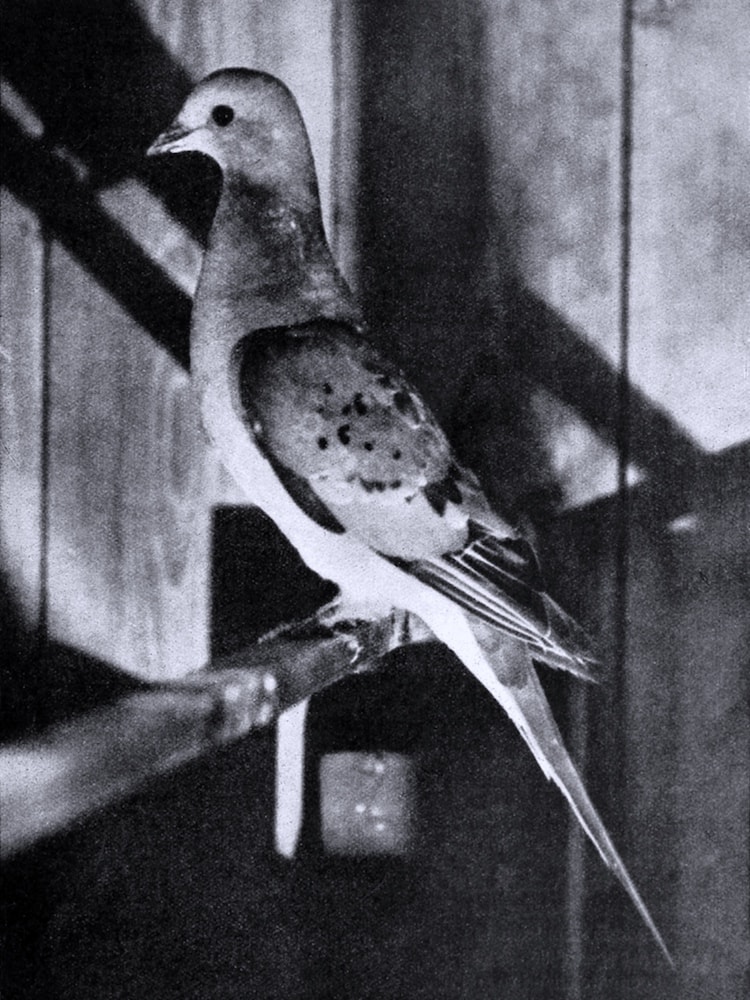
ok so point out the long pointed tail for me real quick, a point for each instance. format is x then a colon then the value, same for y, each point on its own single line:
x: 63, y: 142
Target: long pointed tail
x: 524, y: 700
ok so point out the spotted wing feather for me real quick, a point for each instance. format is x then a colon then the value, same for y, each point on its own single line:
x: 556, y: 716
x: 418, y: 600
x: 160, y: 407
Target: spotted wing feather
x: 345, y: 429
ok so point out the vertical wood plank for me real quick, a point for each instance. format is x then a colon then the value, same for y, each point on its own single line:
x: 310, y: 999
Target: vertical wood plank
x: 21, y: 414
x: 346, y: 140
x: 422, y: 187
x: 691, y: 266
x: 646, y: 705
x: 580, y: 557
x: 129, y: 531
x: 689, y: 352
x: 712, y: 795
x: 552, y: 107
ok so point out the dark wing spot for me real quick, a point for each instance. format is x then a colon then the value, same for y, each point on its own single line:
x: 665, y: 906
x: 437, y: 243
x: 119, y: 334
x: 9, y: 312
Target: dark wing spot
x: 438, y: 494
x: 327, y: 388
x: 374, y: 484
x: 381, y: 377
x: 435, y: 497
x: 368, y: 445
x: 346, y: 410
x: 322, y: 443
x: 397, y: 454
x: 343, y: 434
x: 395, y: 484
x: 359, y: 404
x: 452, y: 491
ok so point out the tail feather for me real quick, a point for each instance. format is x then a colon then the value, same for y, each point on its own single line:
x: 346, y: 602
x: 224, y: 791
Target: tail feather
x: 543, y: 738
x: 524, y: 700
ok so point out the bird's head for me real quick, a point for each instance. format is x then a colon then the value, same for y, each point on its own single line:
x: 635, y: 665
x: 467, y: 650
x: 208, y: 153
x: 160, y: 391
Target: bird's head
x: 249, y: 123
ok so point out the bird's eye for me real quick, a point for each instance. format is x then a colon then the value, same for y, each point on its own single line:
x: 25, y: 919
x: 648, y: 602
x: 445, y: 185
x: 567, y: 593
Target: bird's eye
x: 222, y: 114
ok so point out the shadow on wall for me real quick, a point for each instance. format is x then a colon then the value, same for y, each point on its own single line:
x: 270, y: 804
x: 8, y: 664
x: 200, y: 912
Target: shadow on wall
x: 45, y: 684
x: 103, y: 88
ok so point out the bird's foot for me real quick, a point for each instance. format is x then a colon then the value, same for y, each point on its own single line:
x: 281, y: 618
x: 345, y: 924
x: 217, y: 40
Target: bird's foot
x: 371, y: 637
x: 375, y: 637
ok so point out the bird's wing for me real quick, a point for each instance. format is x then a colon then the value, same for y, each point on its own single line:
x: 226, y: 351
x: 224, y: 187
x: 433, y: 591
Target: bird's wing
x: 358, y: 450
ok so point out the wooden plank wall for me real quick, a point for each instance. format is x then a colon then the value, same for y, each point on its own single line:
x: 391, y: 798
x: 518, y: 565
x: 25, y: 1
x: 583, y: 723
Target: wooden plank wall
x: 21, y: 392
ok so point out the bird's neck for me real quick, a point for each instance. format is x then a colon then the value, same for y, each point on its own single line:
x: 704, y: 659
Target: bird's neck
x: 267, y: 264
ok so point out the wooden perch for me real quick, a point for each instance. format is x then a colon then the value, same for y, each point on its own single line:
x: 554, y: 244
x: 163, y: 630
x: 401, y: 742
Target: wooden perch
x: 50, y: 781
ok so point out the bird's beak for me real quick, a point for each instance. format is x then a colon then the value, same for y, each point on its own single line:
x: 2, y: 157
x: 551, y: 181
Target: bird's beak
x: 173, y: 140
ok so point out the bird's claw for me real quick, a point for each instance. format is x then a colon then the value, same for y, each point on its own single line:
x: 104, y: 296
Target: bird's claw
x: 373, y: 640
x: 369, y: 639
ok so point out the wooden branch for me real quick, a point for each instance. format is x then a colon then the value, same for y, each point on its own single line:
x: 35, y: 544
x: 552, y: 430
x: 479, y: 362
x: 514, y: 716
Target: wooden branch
x: 48, y: 782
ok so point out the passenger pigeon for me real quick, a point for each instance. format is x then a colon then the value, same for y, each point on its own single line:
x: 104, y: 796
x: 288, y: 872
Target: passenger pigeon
x: 334, y: 443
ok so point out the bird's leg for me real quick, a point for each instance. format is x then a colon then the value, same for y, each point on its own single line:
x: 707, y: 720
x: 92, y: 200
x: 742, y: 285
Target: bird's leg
x: 374, y: 637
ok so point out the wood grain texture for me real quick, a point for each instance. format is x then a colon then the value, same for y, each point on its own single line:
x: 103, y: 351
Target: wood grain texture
x: 552, y: 106
x: 21, y: 413
x: 690, y: 238
x: 710, y: 584
x: 129, y: 523
x: 580, y: 557
x: 421, y: 196
x: 646, y: 750
x: 346, y: 141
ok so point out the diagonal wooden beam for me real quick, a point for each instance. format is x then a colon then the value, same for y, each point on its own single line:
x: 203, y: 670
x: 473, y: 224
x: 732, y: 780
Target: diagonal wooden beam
x: 104, y: 87
x: 48, y: 184
x: 548, y: 350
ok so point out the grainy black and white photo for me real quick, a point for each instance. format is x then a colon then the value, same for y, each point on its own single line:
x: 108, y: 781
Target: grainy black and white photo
x: 375, y: 500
